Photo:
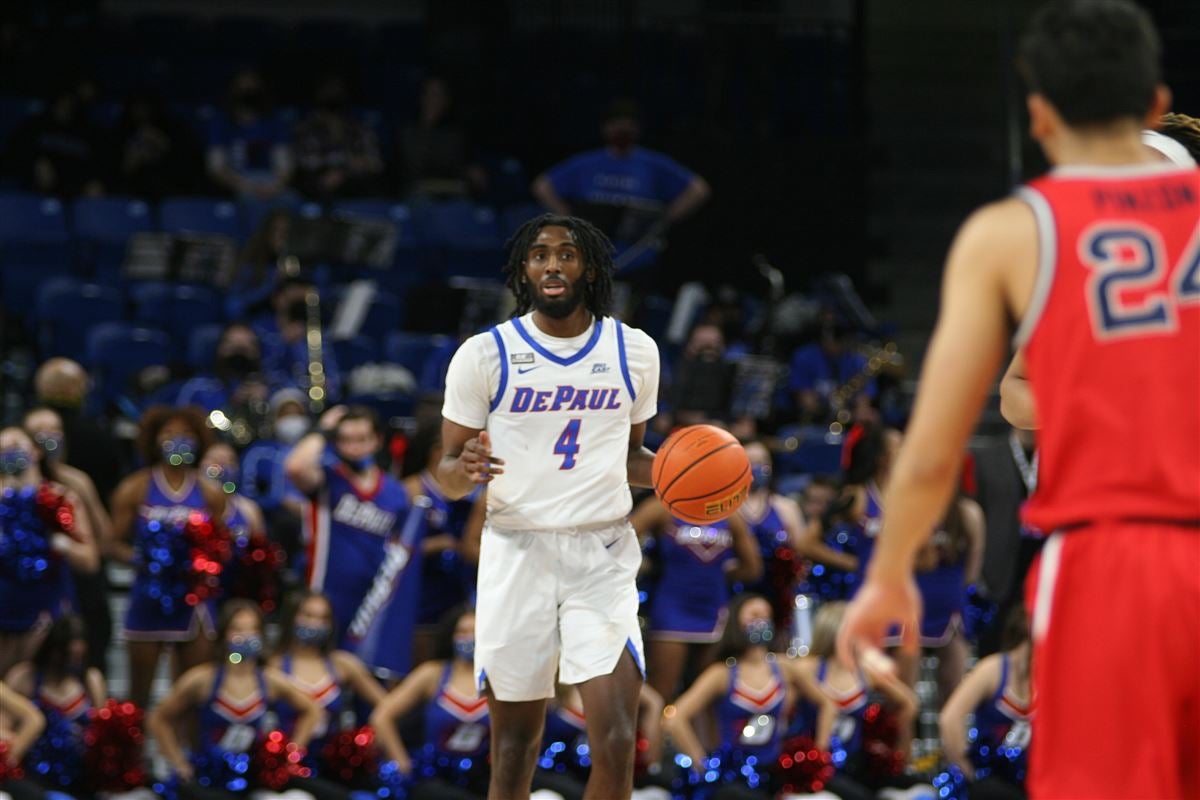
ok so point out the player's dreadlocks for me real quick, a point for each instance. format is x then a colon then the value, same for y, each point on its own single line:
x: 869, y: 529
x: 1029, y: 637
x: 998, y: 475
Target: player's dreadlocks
x: 593, y: 245
x: 1183, y: 129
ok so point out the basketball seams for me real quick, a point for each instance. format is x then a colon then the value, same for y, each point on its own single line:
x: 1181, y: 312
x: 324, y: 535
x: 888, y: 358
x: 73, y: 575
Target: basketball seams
x: 673, y: 441
x: 667, y: 489
x: 717, y: 490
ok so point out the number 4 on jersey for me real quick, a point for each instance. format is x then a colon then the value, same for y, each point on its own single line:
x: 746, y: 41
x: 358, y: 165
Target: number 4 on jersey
x: 568, y: 444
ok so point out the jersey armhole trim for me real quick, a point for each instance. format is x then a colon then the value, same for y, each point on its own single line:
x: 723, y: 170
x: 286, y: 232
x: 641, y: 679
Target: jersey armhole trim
x: 503, y: 371
x: 620, y: 326
x: 1047, y: 256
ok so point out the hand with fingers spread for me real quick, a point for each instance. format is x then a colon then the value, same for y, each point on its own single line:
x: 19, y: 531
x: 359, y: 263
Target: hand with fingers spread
x: 477, y: 461
x: 885, y: 599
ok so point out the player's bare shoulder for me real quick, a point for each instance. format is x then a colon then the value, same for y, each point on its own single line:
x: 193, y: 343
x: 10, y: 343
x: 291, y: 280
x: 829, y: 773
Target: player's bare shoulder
x: 999, y: 242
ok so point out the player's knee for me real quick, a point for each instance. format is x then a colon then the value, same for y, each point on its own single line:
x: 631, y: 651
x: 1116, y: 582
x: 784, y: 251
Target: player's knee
x: 615, y: 747
x: 516, y: 749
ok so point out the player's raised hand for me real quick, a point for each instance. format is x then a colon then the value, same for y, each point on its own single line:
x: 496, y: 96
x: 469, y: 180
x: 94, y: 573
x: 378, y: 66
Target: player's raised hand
x: 883, y: 601
x: 477, y: 459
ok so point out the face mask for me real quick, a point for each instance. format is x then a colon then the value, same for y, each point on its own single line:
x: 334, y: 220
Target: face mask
x: 14, y: 460
x: 237, y: 364
x: 313, y: 635
x: 179, y: 451
x: 297, y: 311
x: 464, y: 649
x: 358, y: 465
x: 760, y: 476
x: 244, y: 647
x: 227, y: 478
x: 51, y: 444
x: 289, y: 430
x: 760, y: 631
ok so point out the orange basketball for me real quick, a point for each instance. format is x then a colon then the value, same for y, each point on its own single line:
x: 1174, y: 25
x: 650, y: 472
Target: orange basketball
x: 701, y: 474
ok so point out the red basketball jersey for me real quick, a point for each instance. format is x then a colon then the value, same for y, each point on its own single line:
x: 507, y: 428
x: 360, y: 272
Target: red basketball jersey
x: 1112, y: 344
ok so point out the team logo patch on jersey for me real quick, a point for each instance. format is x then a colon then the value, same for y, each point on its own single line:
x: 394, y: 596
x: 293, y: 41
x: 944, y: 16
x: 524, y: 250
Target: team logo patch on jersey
x: 599, y: 368
x: 521, y: 358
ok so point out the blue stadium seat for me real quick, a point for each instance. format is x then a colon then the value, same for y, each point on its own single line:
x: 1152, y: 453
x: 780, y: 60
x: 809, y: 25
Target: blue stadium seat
x: 103, y: 226
x: 200, y: 215
x: 514, y: 217
x: 66, y: 309
x: 412, y: 350
x: 177, y: 310
x: 816, y: 453
x: 462, y: 225
x: 354, y: 352
x: 202, y: 345
x: 19, y: 284
x: 33, y: 230
x: 117, y: 352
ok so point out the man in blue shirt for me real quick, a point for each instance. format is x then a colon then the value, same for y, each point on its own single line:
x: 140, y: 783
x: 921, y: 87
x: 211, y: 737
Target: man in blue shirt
x: 631, y: 193
x: 819, y: 369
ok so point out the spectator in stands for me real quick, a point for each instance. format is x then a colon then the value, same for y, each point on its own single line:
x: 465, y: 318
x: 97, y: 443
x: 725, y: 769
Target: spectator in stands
x: 36, y: 556
x: 258, y: 271
x: 235, y: 380
x: 249, y: 152
x: 65, y: 688
x: 363, y: 517
x: 58, y: 151
x: 820, y: 369
x: 91, y: 588
x: 703, y: 379
x: 151, y: 509
x: 435, y: 150
x: 284, y: 337
x: 154, y: 154
x: 629, y: 192
x: 688, y: 603
x: 452, y: 764
x: 818, y: 496
x: 336, y: 680
x: 201, y: 702
x: 336, y: 155
x: 61, y: 384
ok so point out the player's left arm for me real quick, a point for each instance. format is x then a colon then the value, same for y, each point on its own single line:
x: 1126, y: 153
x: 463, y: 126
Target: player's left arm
x: 641, y: 460
x: 968, y: 343
x: 643, y: 358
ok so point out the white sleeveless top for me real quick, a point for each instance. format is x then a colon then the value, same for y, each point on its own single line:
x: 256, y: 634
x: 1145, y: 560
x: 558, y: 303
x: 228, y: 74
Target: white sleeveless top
x: 558, y: 412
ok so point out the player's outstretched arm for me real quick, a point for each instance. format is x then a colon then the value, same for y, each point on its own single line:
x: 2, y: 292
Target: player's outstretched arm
x: 992, y: 262
x: 1016, y: 396
x: 641, y: 461
x: 467, y: 460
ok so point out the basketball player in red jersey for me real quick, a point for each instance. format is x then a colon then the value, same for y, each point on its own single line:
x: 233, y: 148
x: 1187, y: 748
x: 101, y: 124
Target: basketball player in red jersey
x: 1100, y: 261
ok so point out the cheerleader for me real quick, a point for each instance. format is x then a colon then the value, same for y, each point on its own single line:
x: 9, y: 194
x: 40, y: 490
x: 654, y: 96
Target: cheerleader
x: 331, y: 678
x: 851, y: 693
x: 227, y: 700
x: 20, y: 726
x: 452, y: 763
x: 752, y: 694
x: 63, y: 687
x: 992, y: 752
x: 150, y: 509
x: 688, y: 605
x: 43, y: 536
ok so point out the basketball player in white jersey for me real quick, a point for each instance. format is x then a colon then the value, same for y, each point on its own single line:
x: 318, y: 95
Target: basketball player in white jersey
x: 549, y: 410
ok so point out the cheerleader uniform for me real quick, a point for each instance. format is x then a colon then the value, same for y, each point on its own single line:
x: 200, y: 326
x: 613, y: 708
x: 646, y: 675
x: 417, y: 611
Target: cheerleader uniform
x: 228, y: 732
x: 770, y: 534
x: 457, y: 738
x: 35, y: 583
x: 56, y: 759
x: 689, y: 602
x: 998, y: 742
x: 157, y: 609
x: 943, y: 593
x: 326, y: 693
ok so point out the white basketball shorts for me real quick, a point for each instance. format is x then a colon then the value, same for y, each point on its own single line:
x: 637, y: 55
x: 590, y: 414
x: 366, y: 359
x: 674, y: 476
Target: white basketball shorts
x: 555, y: 602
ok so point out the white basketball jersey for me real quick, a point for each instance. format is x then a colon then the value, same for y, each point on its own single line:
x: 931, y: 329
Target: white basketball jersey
x: 559, y: 414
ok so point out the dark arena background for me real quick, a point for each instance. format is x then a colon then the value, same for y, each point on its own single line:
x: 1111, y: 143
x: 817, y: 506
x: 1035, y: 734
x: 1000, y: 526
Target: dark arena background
x: 263, y: 211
